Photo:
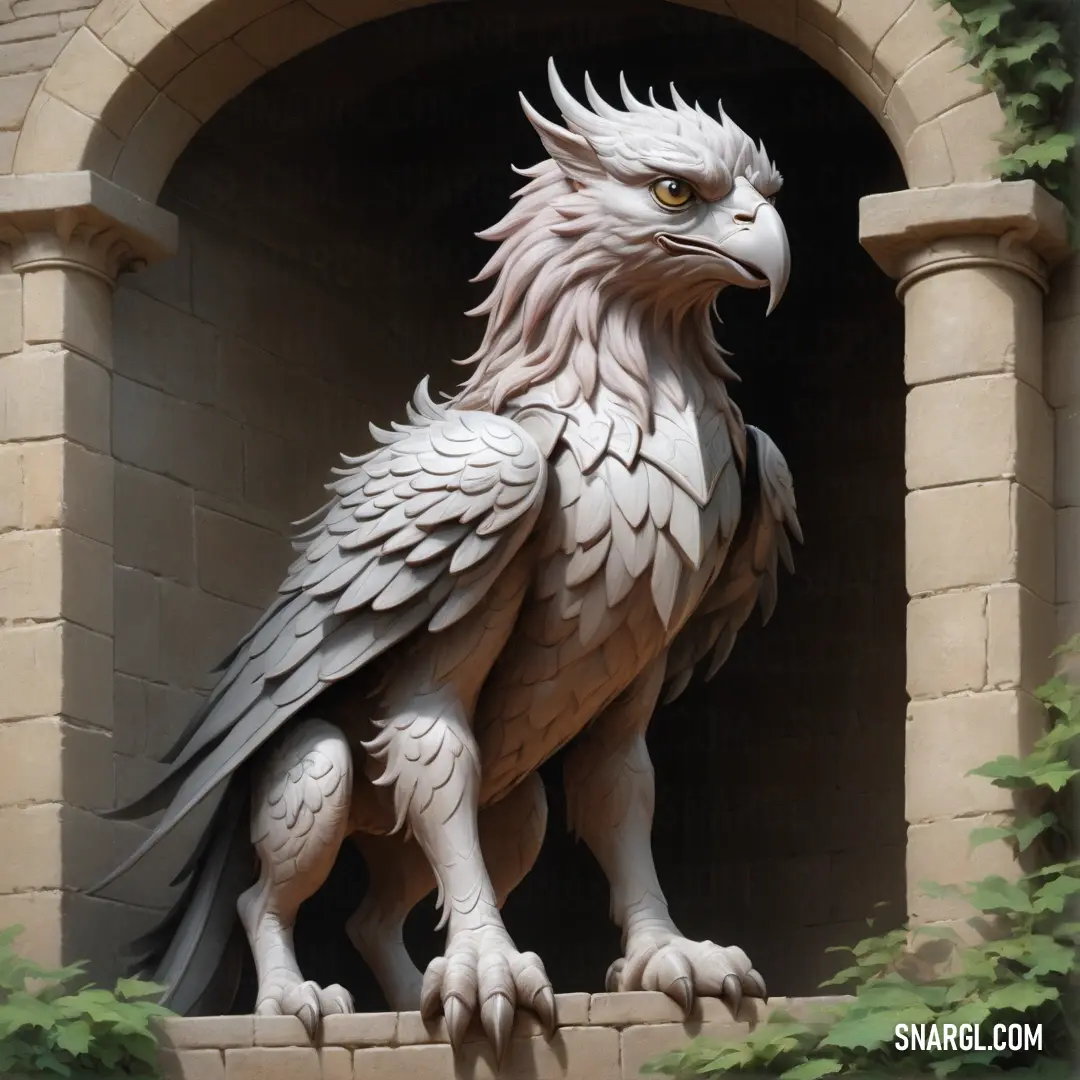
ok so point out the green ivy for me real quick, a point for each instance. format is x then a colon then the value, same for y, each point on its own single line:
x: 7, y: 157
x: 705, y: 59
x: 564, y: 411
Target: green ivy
x: 63, y: 1026
x: 1025, y: 969
x: 1024, y: 50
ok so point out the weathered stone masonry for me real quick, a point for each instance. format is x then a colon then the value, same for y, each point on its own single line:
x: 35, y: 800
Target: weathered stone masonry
x: 97, y: 101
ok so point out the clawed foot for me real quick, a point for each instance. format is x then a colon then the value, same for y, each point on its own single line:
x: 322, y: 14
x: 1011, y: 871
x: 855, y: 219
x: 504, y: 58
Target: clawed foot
x: 482, y: 967
x: 284, y: 994
x: 683, y: 969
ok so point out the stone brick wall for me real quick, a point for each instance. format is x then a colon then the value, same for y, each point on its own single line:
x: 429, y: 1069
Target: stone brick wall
x: 55, y: 611
x: 1062, y: 344
x: 32, y: 34
x: 238, y: 378
x: 601, y: 1037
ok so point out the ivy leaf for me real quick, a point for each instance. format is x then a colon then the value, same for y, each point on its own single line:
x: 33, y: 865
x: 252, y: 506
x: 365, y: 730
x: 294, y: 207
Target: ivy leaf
x: 948, y: 1066
x: 988, y: 16
x: 1056, y: 774
x: 1055, y: 78
x: 1055, y: 692
x: 811, y: 1070
x: 1059, y: 736
x: 843, y: 977
x: 25, y: 1010
x: 1026, y: 99
x: 1050, y: 957
x: 1052, y: 895
x: 996, y: 894
x: 1070, y: 866
x: 1073, y: 644
x: 74, y: 1038
x: 1021, y: 996
x: 971, y: 1012
x: 134, y: 989
x: 1026, y: 48
x: 959, y: 990
x: 47, y: 1060
x: 1028, y: 831
x: 987, y: 834
x: 940, y: 892
x: 938, y: 933
x: 1009, y: 770
x: 871, y: 1032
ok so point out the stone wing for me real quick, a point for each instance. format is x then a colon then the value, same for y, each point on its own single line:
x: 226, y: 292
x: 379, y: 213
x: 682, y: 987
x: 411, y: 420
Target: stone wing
x: 748, y: 576
x: 416, y: 534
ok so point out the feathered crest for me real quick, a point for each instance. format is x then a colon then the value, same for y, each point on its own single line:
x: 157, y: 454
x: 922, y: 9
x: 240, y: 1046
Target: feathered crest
x: 645, y: 140
x: 566, y: 308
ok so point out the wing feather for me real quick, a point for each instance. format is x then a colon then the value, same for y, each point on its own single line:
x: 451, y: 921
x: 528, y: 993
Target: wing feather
x: 748, y: 578
x: 422, y: 552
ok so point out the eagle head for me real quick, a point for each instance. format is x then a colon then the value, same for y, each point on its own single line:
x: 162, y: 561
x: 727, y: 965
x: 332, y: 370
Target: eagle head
x: 681, y: 203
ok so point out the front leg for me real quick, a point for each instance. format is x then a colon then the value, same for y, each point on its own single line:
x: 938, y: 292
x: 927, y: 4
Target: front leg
x: 431, y: 759
x: 610, y: 795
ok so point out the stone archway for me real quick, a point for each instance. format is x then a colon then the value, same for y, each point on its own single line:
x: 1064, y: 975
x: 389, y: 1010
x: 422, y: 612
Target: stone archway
x: 134, y: 84
x: 125, y: 96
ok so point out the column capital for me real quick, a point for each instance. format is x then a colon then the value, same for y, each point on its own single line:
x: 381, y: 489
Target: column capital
x: 1014, y: 225
x: 81, y: 221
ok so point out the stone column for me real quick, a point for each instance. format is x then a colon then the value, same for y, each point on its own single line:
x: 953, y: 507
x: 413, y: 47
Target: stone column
x: 63, y: 240
x: 972, y: 262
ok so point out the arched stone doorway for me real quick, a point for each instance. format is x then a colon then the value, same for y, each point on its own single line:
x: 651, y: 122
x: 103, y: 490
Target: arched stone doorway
x: 279, y: 346
x: 132, y: 87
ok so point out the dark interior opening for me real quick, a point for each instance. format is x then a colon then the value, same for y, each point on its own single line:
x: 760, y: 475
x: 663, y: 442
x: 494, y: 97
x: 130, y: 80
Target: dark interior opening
x: 780, y: 785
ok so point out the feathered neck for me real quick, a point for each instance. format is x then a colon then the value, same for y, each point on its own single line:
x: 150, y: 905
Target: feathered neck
x: 567, y: 315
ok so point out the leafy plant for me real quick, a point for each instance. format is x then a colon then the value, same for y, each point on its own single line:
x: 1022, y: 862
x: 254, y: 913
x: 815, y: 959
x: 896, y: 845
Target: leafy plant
x: 69, y: 1027
x: 1022, y: 50
x: 1025, y: 968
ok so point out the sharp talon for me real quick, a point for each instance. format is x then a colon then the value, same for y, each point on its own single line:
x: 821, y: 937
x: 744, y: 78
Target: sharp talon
x: 497, y: 1018
x: 544, y: 1007
x: 458, y: 1015
x: 430, y: 1002
x: 309, y: 1018
x: 732, y: 990
x: 758, y: 986
x: 611, y: 980
x: 681, y: 990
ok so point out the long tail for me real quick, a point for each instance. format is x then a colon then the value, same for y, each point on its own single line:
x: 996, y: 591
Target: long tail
x: 197, y: 951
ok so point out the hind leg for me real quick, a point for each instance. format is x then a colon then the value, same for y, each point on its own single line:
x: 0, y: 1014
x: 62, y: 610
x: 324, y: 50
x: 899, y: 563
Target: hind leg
x: 299, y: 817
x: 511, y: 834
x: 399, y: 878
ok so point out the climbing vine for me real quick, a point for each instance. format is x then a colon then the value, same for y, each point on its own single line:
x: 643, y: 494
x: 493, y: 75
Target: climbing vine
x: 1024, y: 970
x: 1025, y: 51
x: 56, y: 1025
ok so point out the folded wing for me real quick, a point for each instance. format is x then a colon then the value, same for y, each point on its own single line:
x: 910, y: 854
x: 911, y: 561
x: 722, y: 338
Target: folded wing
x: 749, y: 574
x: 415, y: 535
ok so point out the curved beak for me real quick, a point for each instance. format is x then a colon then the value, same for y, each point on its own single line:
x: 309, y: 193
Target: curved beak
x: 748, y: 236
x: 762, y: 246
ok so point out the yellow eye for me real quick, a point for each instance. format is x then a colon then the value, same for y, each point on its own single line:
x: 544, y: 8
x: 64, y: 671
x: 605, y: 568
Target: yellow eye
x: 672, y: 194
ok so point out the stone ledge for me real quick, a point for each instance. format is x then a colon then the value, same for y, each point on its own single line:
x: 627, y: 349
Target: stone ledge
x: 897, y: 225
x: 601, y: 1037
x: 67, y: 203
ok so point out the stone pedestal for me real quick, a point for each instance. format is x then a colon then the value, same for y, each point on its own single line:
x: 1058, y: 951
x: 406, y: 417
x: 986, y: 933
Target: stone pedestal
x: 601, y: 1037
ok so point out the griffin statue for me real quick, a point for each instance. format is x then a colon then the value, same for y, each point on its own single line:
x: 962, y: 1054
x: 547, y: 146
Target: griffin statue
x: 528, y: 564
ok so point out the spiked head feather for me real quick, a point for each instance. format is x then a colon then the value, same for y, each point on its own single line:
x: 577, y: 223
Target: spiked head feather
x: 584, y: 294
